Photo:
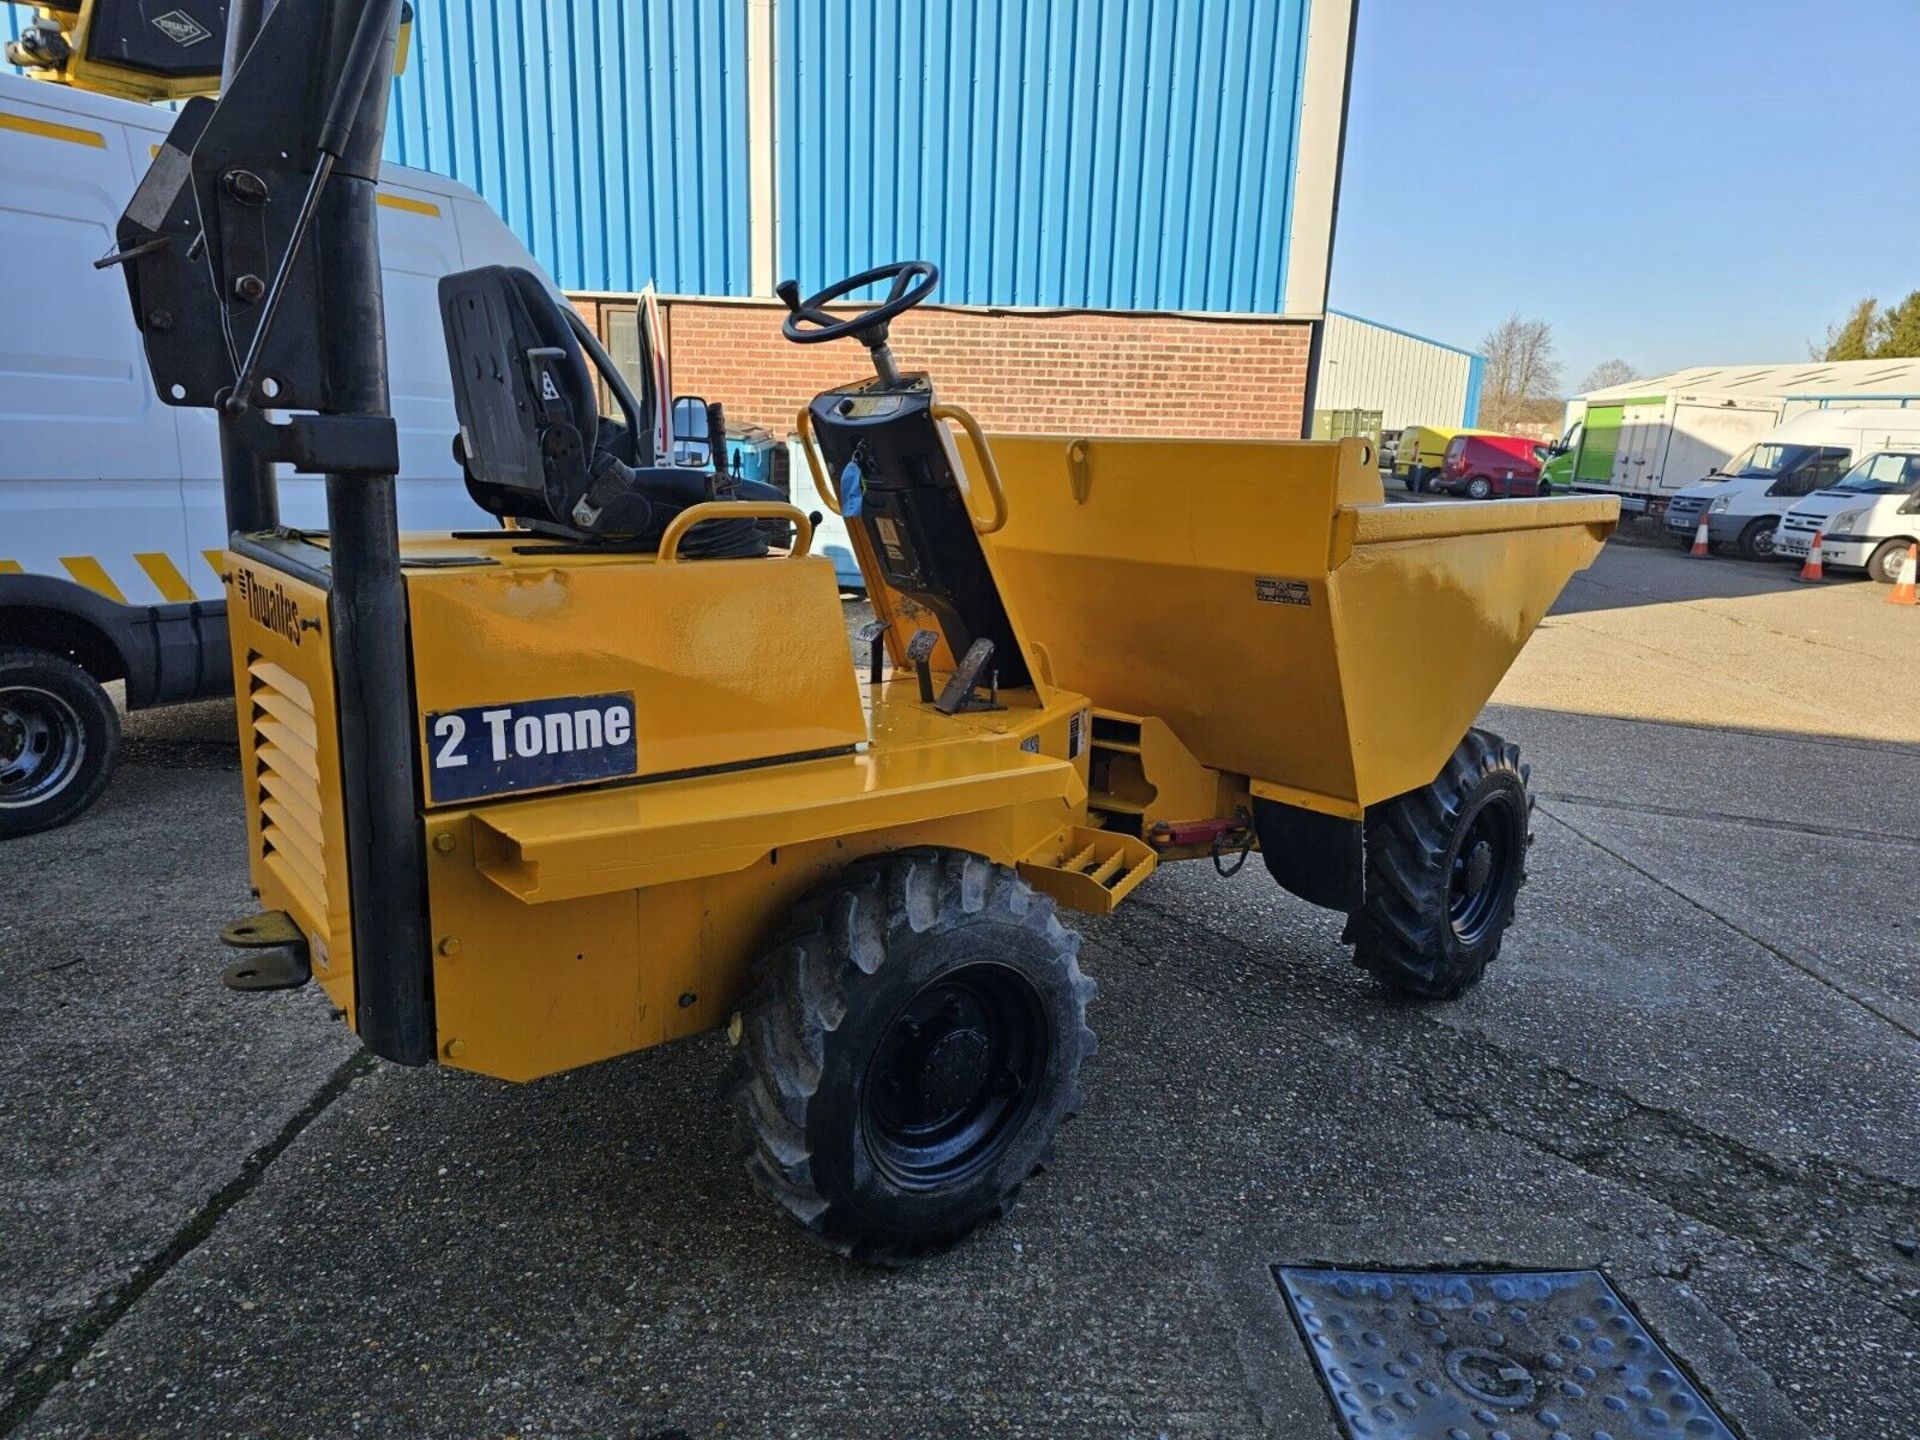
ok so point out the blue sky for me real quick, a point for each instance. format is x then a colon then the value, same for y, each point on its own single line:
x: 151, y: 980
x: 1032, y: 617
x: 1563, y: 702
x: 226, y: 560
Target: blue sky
x: 1675, y: 182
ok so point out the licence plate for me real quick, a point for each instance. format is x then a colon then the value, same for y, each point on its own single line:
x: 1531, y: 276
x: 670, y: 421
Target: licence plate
x: 1793, y: 545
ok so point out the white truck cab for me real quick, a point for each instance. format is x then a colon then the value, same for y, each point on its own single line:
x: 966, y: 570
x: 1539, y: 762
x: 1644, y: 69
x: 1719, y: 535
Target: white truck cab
x: 111, y: 521
x: 1746, y: 499
x: 1865, y: 521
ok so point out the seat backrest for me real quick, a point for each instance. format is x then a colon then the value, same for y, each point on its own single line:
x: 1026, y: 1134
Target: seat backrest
x: 523, y: 392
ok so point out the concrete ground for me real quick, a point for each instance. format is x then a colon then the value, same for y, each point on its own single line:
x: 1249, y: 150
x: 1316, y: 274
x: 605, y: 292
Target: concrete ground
x: 1694, y: 1066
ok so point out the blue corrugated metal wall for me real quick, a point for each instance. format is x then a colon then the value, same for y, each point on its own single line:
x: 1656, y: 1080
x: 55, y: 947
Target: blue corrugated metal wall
x: 1476, y: 377
x: 1125, y: 154
x: 1109, y: 154
x: 612, y: 137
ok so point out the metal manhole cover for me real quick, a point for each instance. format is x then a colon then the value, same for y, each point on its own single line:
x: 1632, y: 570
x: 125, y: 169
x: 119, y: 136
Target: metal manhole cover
x: 1518, y: 1355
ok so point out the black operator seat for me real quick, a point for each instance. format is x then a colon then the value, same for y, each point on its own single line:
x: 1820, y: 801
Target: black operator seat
x: 533, y: 444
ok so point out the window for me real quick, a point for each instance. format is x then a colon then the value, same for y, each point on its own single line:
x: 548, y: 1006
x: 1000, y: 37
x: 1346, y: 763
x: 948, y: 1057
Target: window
x: 620, y: 333
x: 1765, y: 461
x: 1812, y: 468
x: 1888, y: 473
x: 1828, y: 467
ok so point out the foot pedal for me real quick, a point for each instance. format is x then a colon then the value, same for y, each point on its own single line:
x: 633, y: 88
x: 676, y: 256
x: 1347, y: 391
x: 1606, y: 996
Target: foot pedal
x: 280, y: 961
x: 920, y: 652
x: 959, y: 692
x: 870, y: 635
x: 1090, y: 870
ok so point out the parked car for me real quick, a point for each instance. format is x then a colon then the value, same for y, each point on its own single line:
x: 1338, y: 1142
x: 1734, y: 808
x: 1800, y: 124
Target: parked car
x: 1866, y: 521
x: 1422, y: 450
x: 1744, y: 502
x: 1483, y: 466
x: 1389, y: 449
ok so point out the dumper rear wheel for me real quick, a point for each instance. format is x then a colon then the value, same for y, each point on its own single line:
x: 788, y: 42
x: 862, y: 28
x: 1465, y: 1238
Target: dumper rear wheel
x: 908, y: 1050
x: 1443, y: 867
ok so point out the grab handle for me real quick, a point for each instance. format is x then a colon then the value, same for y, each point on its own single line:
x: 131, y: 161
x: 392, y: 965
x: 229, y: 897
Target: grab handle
x: 989, y: 472
x: 810, y: 447
x: 677, y: 528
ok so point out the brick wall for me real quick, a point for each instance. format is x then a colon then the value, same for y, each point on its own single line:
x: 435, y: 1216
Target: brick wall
x: 1074, y: 374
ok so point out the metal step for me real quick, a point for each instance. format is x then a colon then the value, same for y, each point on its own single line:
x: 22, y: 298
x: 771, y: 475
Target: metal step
x: 1089, y: 870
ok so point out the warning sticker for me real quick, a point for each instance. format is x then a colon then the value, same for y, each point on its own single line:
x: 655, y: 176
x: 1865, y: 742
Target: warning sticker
x: 1269, y: 591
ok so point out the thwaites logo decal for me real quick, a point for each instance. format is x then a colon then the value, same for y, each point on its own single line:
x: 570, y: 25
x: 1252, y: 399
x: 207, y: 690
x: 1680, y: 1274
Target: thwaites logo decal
x: 181, y: 28
x: 270, y: 607
x: 1269, y: 591
x: 529, y: 745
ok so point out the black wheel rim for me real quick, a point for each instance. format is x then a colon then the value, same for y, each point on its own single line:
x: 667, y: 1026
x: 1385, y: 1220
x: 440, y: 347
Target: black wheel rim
x: 1481, y: 871
x: 955, y: 1073
x: 41, y: 745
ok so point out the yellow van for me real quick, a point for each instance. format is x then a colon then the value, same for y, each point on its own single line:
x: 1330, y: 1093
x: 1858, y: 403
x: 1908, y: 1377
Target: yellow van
x: 1422, y: 448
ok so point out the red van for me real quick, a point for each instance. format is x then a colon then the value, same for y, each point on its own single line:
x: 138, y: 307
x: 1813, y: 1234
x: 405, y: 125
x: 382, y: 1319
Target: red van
x: 1482, y: 466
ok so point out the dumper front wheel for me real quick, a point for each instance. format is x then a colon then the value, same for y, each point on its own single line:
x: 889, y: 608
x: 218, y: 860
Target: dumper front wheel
x: 1443, y: 867
x: 908, y: 1050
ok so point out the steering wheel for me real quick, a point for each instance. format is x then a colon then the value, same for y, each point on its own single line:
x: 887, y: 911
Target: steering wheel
x: 807, y: 323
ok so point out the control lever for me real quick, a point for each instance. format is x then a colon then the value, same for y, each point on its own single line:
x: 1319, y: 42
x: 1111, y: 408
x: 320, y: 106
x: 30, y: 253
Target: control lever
x: 871, y: 634
x: 965, y: 680
x: 919, y: 649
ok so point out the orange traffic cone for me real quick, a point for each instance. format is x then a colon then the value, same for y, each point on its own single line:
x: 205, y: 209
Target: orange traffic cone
x: 1812, y: 573
x: 1905, y: 590
x: 1702, y: 537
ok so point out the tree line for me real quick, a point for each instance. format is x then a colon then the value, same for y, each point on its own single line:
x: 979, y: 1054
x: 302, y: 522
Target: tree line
x: 1870, y: 333
x: 1521, y: 384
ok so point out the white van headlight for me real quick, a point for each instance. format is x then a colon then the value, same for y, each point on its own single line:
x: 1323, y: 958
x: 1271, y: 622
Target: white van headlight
x: 1721, y: 504
x: 1844, y: 522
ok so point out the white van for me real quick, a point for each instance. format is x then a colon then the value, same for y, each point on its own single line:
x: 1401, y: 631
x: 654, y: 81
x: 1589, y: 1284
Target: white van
x: 1745, y: 501
x: 1865, y: 521
x: 111, y: 517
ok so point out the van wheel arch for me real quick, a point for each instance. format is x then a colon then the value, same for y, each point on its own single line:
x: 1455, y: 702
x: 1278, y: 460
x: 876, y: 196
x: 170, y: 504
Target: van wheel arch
x: 62, y: 632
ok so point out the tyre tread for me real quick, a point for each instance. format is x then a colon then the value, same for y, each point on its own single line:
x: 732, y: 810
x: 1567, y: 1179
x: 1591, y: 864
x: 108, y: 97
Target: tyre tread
x: 91, y: 783
x: 1398, y: 933
x: 837, y: 938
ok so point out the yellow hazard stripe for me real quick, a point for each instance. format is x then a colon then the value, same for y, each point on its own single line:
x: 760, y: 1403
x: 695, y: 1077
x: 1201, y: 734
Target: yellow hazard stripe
x: 409, y: 204
x: 216, y: 562
x: 10, y: 567
x: 171, y: 584
x: 92, y: 574
x: 47, y: 130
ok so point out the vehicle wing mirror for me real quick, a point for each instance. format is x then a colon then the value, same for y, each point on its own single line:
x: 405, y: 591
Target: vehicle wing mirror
x: 692, y: 445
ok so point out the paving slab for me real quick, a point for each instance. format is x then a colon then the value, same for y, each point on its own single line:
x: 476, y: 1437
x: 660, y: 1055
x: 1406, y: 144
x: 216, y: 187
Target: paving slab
x: 133, y: 1088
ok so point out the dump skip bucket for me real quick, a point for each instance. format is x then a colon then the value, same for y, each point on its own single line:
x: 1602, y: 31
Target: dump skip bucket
x: 1265, y: 601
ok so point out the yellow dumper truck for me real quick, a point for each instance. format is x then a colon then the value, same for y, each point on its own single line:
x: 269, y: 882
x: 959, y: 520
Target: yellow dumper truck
x: 524, y: 798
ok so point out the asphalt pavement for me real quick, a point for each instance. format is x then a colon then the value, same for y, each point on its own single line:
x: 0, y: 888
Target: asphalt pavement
x: 1695, y: 1067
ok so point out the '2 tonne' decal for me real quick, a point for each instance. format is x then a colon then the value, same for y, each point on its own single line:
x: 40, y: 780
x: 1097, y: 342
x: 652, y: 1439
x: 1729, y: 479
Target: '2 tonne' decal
x: 529, y: 745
